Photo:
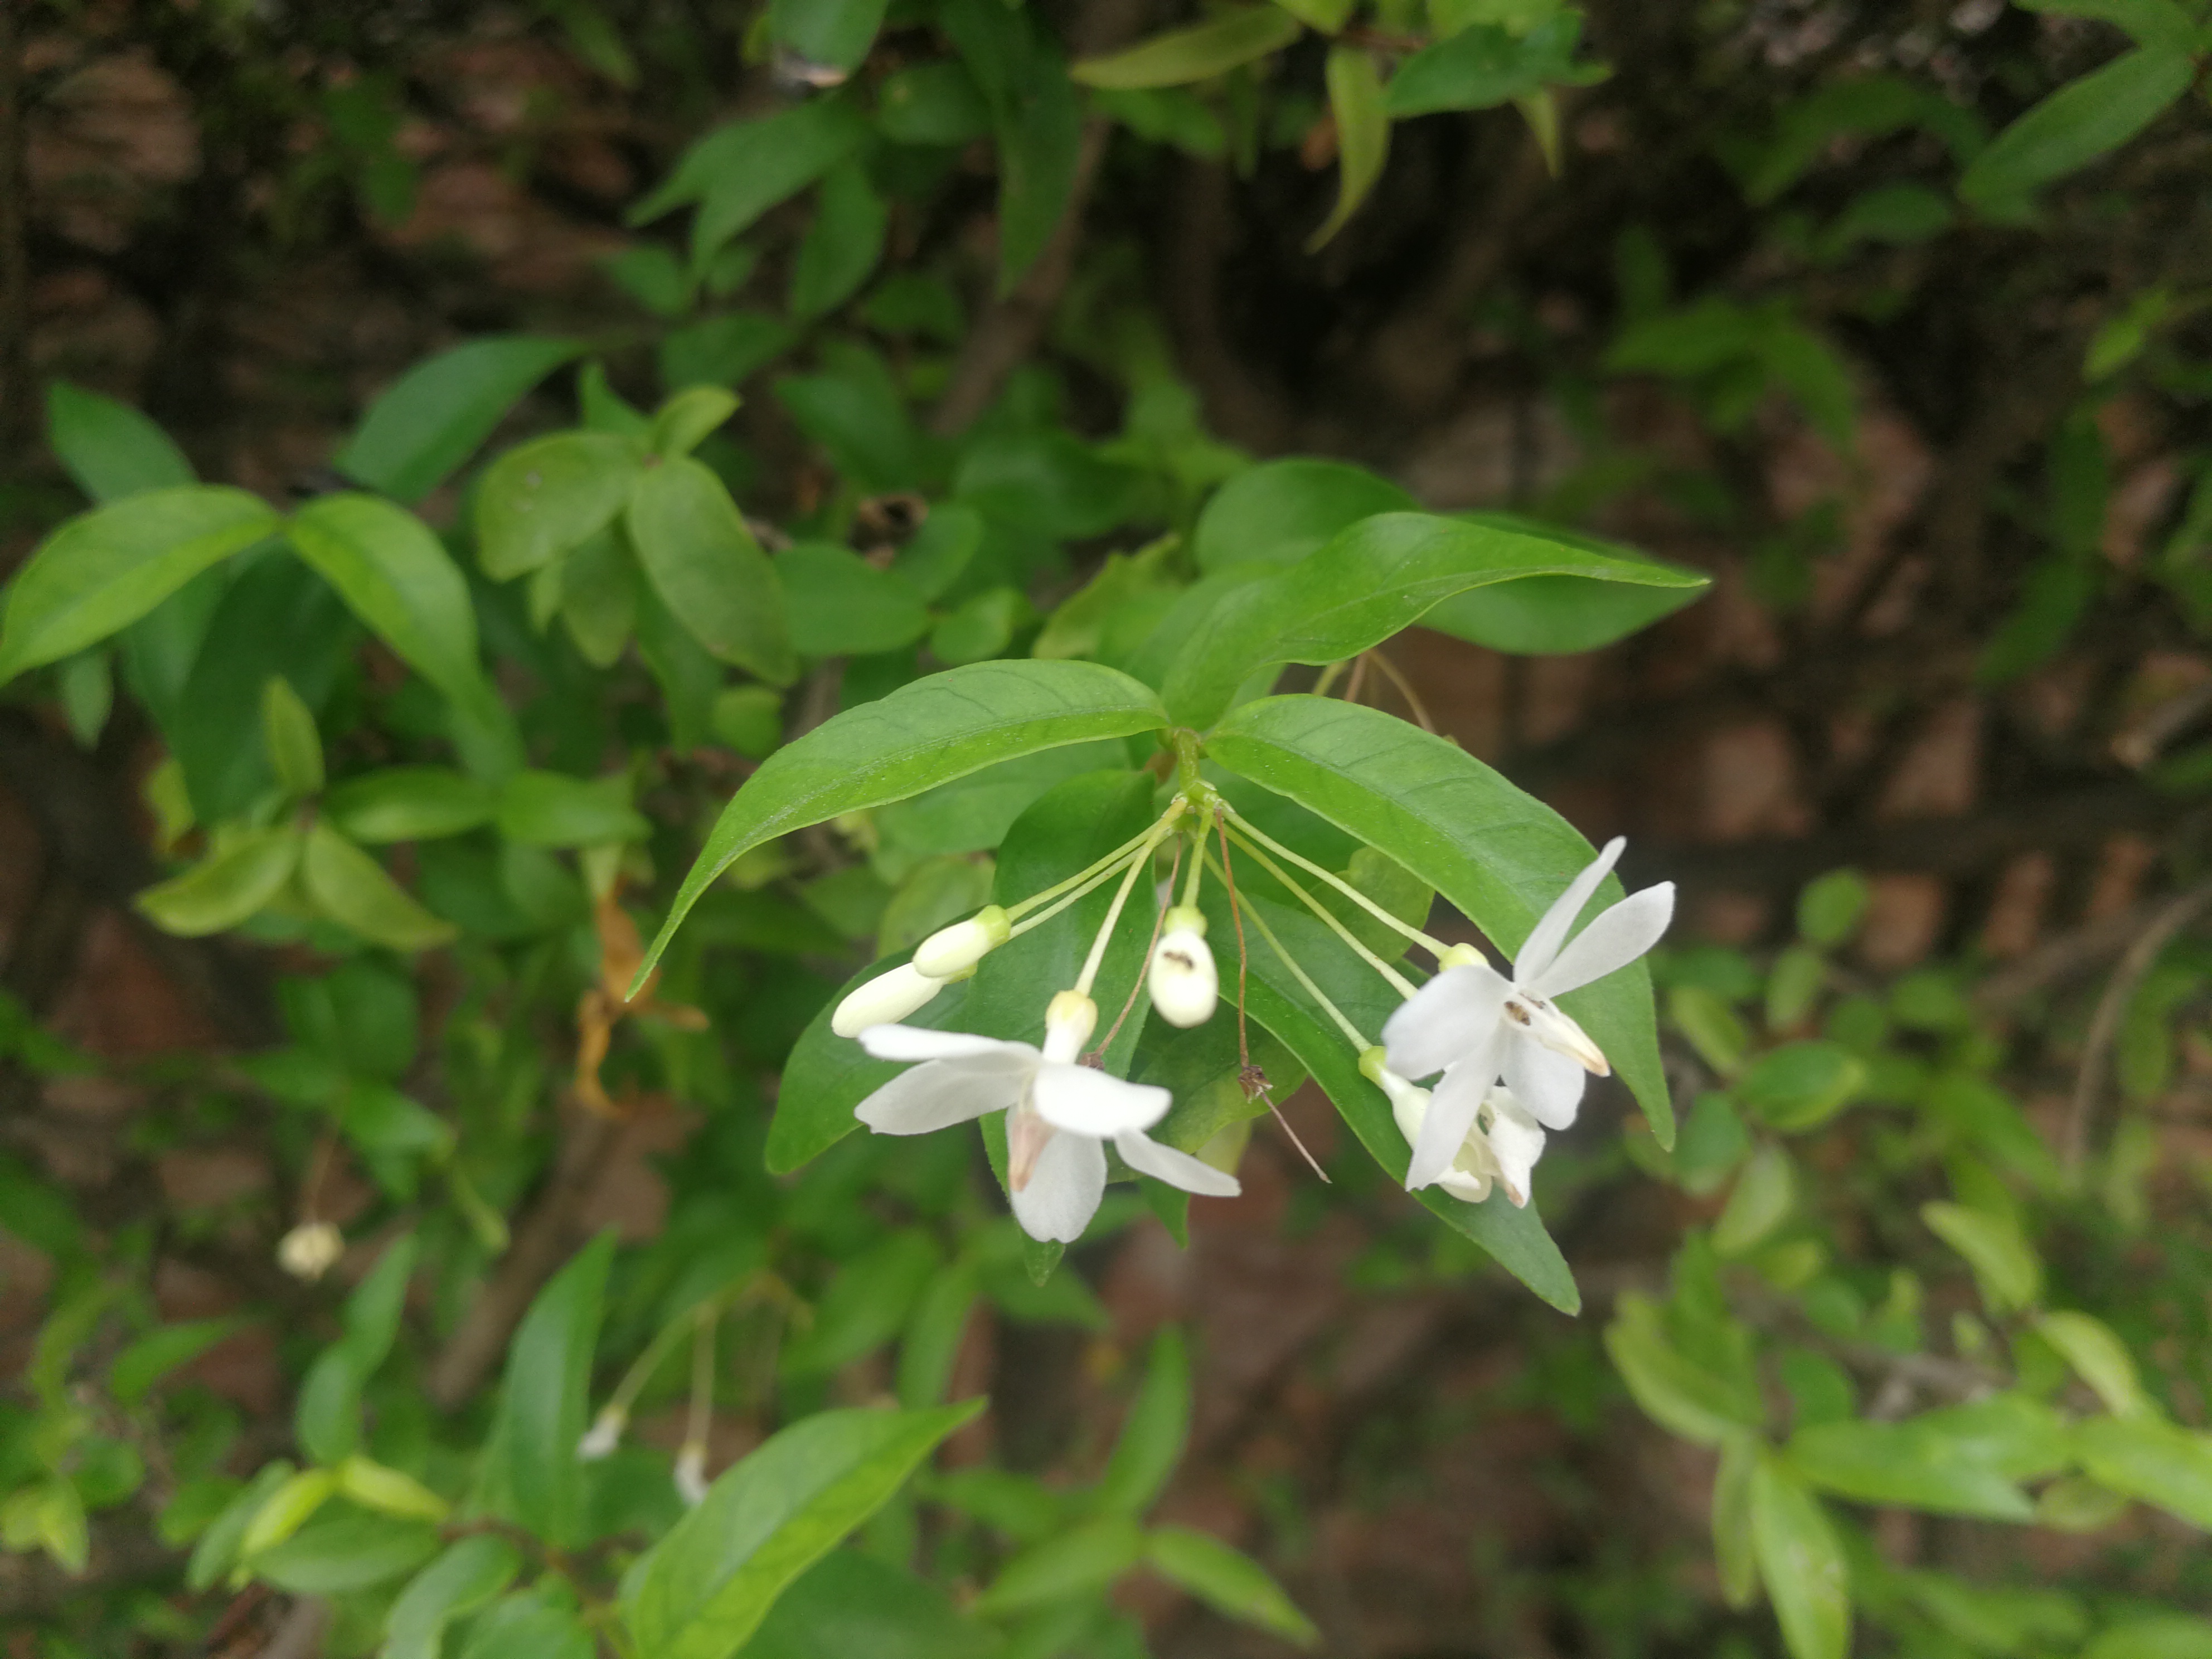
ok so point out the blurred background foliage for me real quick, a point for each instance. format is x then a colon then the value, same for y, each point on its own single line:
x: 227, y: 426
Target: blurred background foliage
x: 1886, y: 316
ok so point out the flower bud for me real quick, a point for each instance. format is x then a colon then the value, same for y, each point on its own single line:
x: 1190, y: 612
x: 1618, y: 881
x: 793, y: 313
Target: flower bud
x: 1461, y: 956
x: 884, y: 1000
x: 1068, y: 1023
x: 1184, y: 984
x: 691, y: 1474
x: 310, y: 1250
x: 963, y: 944
x: 604, y: 1434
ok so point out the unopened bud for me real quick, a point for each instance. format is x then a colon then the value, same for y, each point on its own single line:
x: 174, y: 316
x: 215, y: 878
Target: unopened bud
x: 965, y: 944
x: 1069, y: 1021
x: 310, y: 1250
x: 691, y: 1474
x: 1461, y: 956
x: 1184, y: 982
x: 884, y: 1000
x: 604, y: 1434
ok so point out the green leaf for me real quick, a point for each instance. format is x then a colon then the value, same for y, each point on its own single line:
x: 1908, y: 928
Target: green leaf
x: 395, y: 575
x: 1368, y: 583
x: 109, y: 448
x: 708, y: 570
x: 542, y: 498
x: 1765, y: 1191
x: 722, y: 350
x: 1088, y: 1557
x: 850, y: 1605
x: 2150, y: 1459
x: 1327, y: 15
x: 2154, y: 1636
x: 1485, y: 66
x: 1049, y: 483
x: 218, y: 1548
x: 540, y: 1622
x: 842, y: 605
x: 154, y: 1355
x: 337, y: 1553
x: 552, y: 809
x: 1800, y: 1085
x: 683, y: 422
x: 1916, y: 1464
x: 224, y: 889
x: 2005, y: 1263
x: 103, y: 570
x: 544, y: 1399
x: 1557, y: 615
x: 707, y: 1585
x: 2100, y: 1358
x: 1278, y: 512
x: 435, y: 415
x: 1500, y: 855
x: 836, y: 33
x: 409, y: 803
x: 353, y: 888
x: 738, y: 172
x: 2151, y: 22
x: 1734, y: 1551
x: 1198, y: 53
x: 842, y: 245
x: 934, y: 103
x: 1829, y: 909
x: 2082, y: 120
x: 827, y: 1076
x: 1803, y: 1563
x: 1152, y: 1435
x: 1674, y: 1390
x: 1230, y: 1581
x: 470, y: 1573
x: 290, y: 1505
x: 866, y: 1303
x: 295, y: 748
x: 921, y: 735
x: 1363, y: 134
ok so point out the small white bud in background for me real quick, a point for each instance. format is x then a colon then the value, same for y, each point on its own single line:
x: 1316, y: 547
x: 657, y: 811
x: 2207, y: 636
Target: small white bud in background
x: 1069, y: 1020
x: 604, y: 1434
x: 965, y: 944
x: 1184, y: 984
x: 310, y: 1250
x: 691, y: 1474
x: 884, y: 1000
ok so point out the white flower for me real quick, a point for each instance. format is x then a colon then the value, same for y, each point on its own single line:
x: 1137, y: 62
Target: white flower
x: 884, y: 999
x: 1058, y: 1114
x: 1474, y: 1025
x: 604, y: 1434
x: 310, y: 1249
x: 691, y: 1474
x: 950, y: 951
x: 1184, y: 984
x: 1502, y: 1145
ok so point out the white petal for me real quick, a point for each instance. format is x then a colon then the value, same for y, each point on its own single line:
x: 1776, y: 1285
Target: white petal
x: 1194, y: 1174
x: 919, y: 1043
x: 1091, y: 1102
x: 887, y: 997
x: 943, y: 1092
x: 1550, y: 1085
x: 1063, y: 1190
x: 1451, y: 1113
x: 1517, y: 1143
x: 1614, y: 938
x: 1551, y: 930
x: 1446, y: 1018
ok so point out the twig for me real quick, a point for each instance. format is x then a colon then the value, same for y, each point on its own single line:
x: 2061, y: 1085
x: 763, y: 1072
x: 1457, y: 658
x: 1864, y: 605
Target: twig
x: 1392, y: 672
x: 2111, y: 1008
x: 2055, y: 961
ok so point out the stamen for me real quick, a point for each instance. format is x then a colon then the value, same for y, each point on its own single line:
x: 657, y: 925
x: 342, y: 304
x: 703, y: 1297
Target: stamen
x: 1246, y: 828
x: 1090, y: 974
x: 1351, y: 1031
x: 1396, y: 981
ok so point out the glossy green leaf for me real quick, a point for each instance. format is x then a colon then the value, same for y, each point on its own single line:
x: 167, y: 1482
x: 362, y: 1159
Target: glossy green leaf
x: 836, y: 33
x: 738, y: 172
x: 537, y: 1624
x: 2099, y: 1358
x: 290, y: 1505
x: 103, y: 570
x: 2005, y: 1263
x: 552, y: 809
x: 470, y: 1573
x: 1801, y: 1562
x: 1278, y: 512
x: 685, y: 421
x: 295, y: 747
x: 1764, y: 1192
x: 1556, y: 614
x: 1363, y: 134
x: 1150, y: 1443
x: 2082, y: 120
x: 1735, y: 1552
x: 543, y: 497
x: 1366, y: 584
x: 225, y: 888
x: 1197, y: 53
x: 154, y: 1355
x: 389, y: 1491
x: 395, y: 575
x: 1485, y: 66
x: 544, y: 1399
x: 351, y: 888
x: 841, y: 247
x: 409, y: 803
x: 109, y: 448
x: 1800, y: 1085
x: 934, y: 103
x: 1676, y: 1391
x: 219, y: 1547
x: 1500, y: 855
x: 708, y: 570
x: 337, y: 1553
x: 434, y: 416
x: 2149, y: 1458
x: 1089, y: 1557
x: 827, y: 1076
x: 923, y: 735
x: 708, y: 1584
x: 1230, y: 1581
x: 723, y: 350
x: 1916, y: 1464
x: 842, y: 605
x: 850, y: 1604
